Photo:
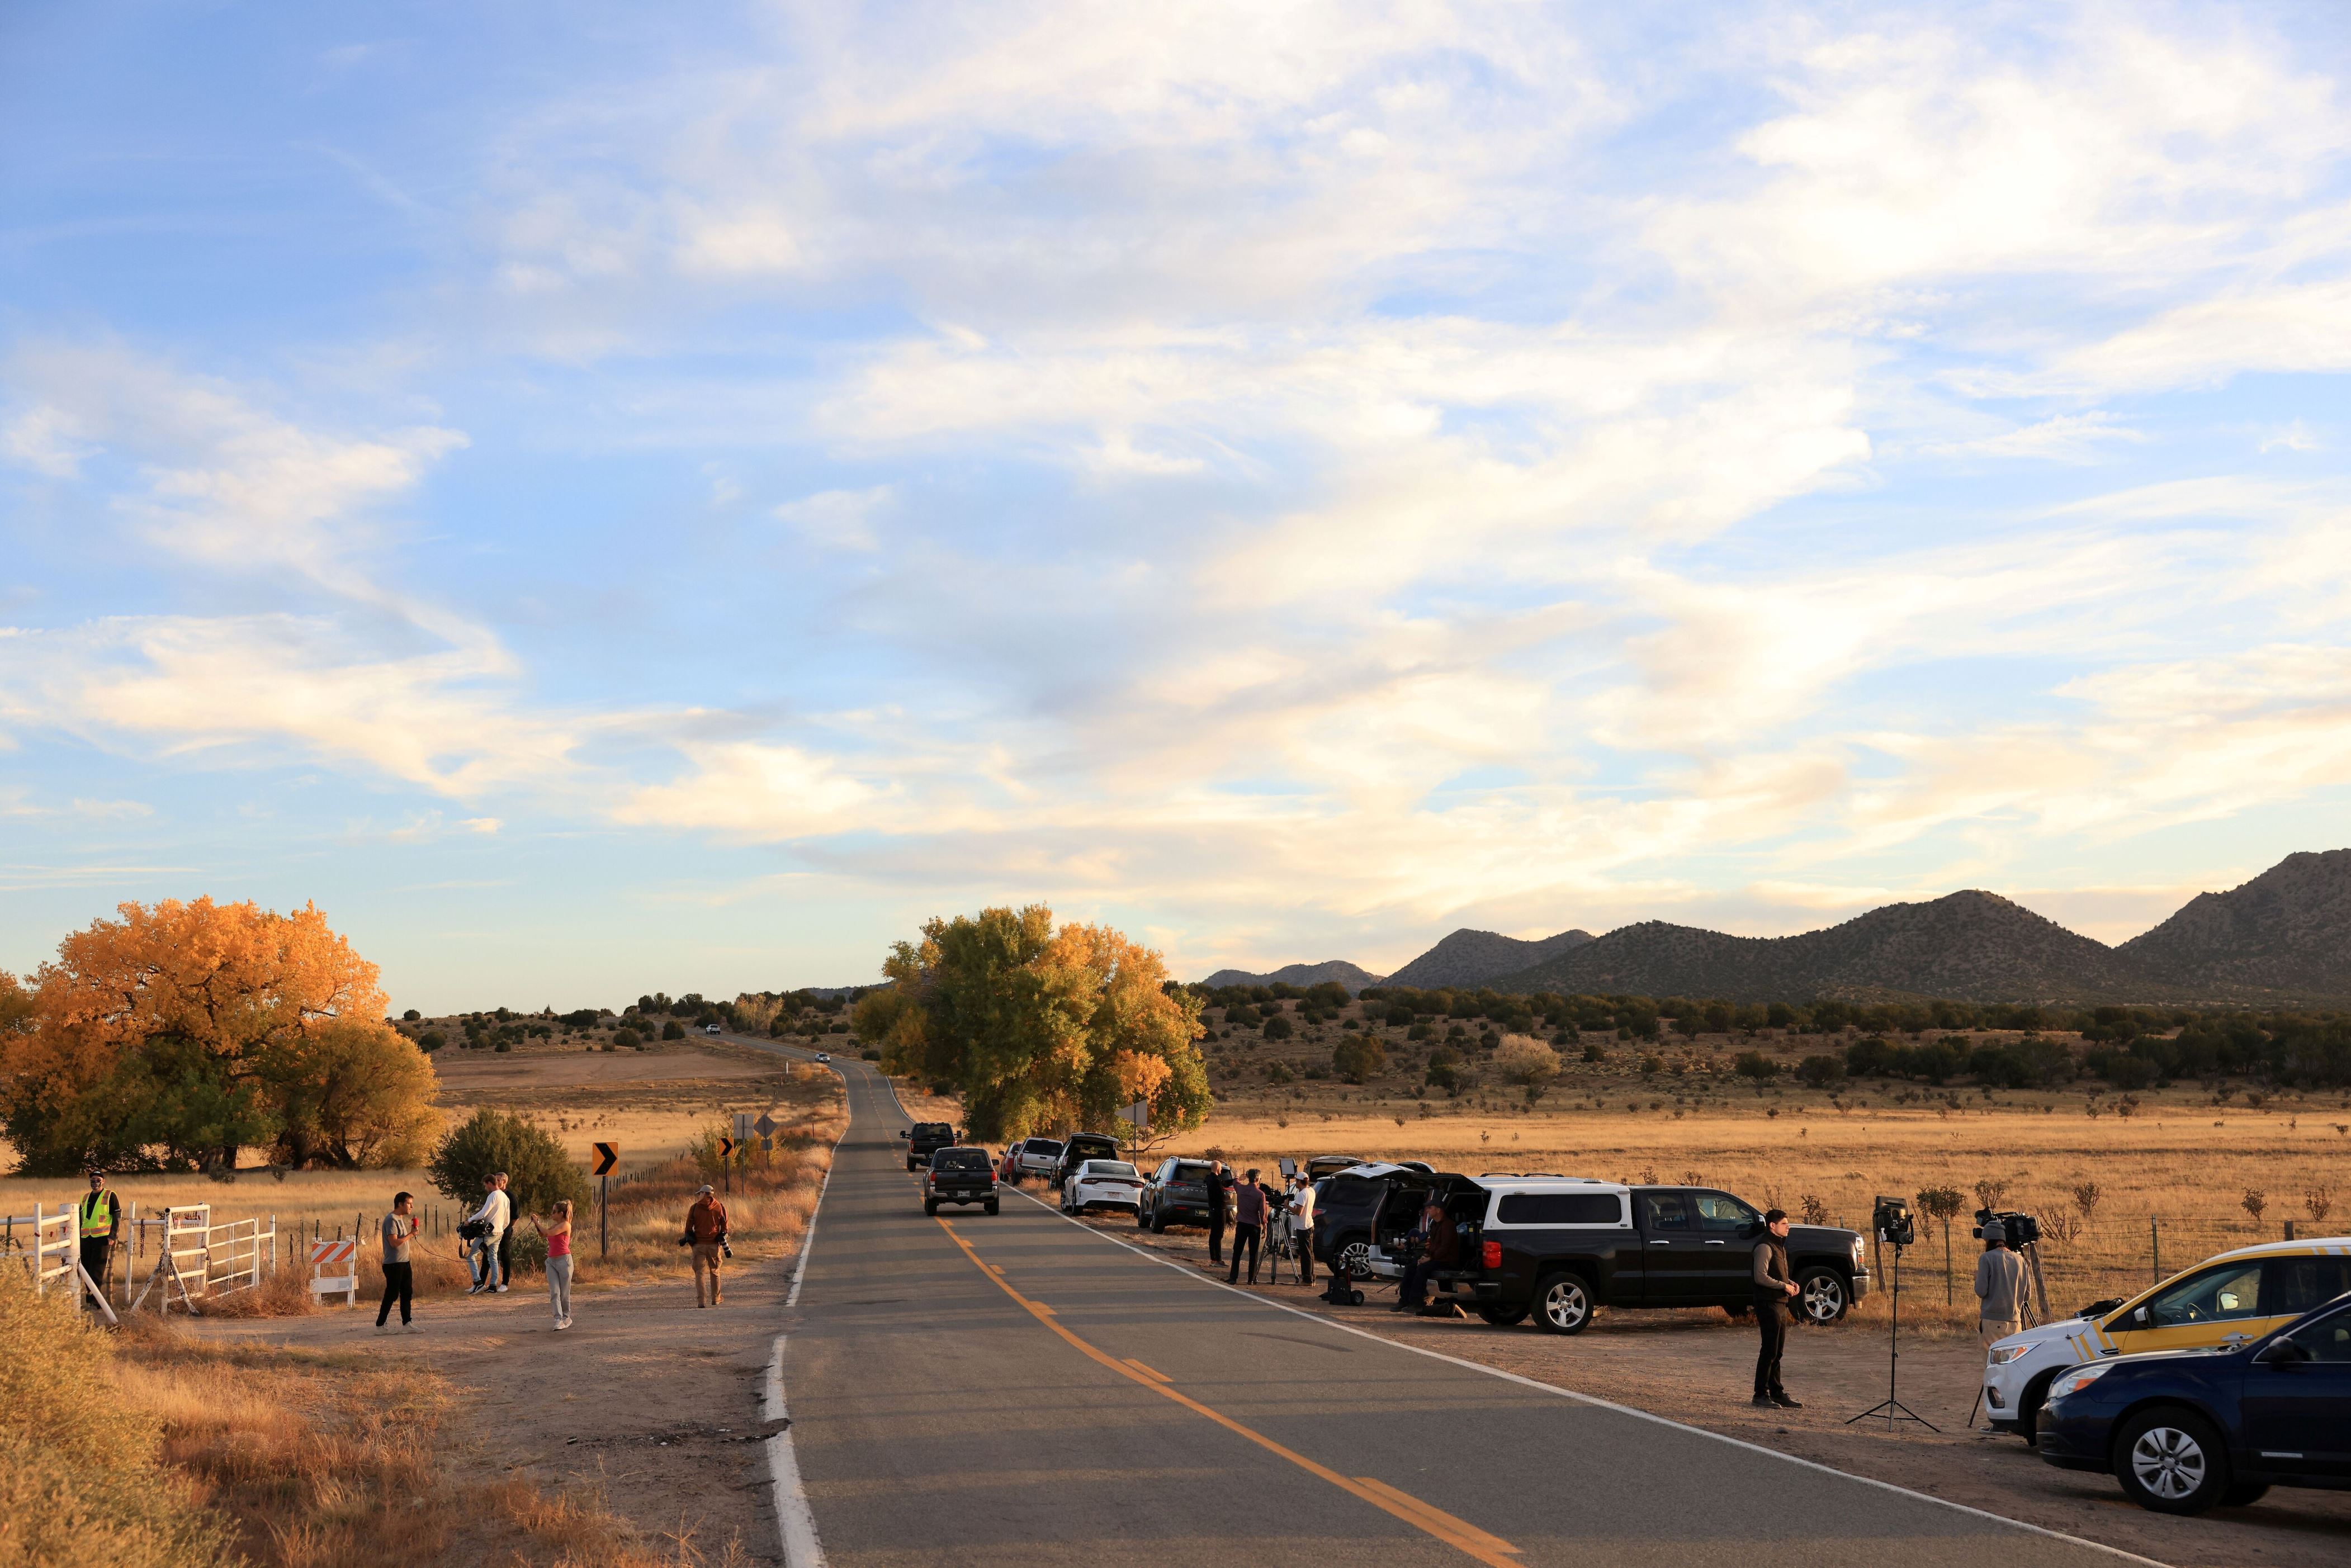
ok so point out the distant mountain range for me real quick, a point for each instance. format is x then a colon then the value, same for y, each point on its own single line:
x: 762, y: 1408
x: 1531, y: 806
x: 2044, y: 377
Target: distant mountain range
x: 1301, y: 975
x: 2284, y: 936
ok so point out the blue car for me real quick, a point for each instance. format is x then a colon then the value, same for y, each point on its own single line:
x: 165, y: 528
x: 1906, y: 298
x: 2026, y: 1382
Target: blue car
x: 2185, y: 1430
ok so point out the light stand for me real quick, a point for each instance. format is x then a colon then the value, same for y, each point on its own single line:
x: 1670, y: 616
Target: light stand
x: 1892, y: 1221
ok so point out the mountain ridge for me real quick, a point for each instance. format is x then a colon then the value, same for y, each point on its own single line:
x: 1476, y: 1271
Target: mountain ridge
x: 1301, y: 975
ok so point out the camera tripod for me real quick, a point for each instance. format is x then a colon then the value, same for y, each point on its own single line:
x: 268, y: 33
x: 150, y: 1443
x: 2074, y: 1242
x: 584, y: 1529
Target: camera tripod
x: 1892, y: 1408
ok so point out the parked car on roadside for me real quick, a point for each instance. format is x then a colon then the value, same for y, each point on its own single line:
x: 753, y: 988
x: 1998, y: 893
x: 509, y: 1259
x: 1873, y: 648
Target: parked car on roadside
x: 1102, y: 1184
x: 2184, y: 1430
x: 1560, y: 1247
x: 1174, y: 1194
x: 1079, y: 1148
x: 958, y: 1174
x: 1039, y: 1156
x: 2231, y: 1297
x: 1323, y: 1165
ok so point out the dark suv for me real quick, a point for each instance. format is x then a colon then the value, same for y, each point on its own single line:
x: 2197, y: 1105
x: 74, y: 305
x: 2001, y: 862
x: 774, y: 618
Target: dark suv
x: 1082, y: 1148
x: 1175, y: 1193
x: 925, y: 1139
x: 959, y: 1175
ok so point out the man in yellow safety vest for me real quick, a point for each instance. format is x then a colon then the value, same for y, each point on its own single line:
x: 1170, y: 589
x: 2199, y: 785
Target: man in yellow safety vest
x: 100, y: 1213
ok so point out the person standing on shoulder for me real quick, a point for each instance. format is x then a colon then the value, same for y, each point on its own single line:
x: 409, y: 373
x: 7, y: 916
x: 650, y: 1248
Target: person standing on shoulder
x: 399, y: 1272
x: 1216, y: 1185
x: 2000, y: 1288
x: 1775, y: 1289
x: 99, y: 1214
x: 558, y: 1233
x: 1248, y: 1222
x: 705, y: 1232
x: 491, y: 1219
x: 506, y: 1237
x: 1301, y: 1213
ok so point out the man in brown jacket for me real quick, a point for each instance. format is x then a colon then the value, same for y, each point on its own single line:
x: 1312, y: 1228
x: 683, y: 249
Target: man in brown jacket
x: 705, y: 1232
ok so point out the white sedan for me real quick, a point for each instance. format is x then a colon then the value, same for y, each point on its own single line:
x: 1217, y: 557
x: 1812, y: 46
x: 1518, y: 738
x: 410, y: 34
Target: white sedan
x: 824, y: 1056
x: 1102, y: 1184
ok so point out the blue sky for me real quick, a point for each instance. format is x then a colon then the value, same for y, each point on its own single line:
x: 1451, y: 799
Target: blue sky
x: 605, y: 500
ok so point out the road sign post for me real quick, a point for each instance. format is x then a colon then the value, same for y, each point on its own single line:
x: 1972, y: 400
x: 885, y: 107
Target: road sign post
x: 607, y: 1156
x: 726, y: 1166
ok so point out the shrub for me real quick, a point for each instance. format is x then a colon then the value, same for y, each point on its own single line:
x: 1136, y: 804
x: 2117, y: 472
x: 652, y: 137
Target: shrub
x: 1277, y: 1028
x: 870, y: 1055
x: 1868, y: 1057
x: 1356, y: 1059
x: 625, y: 1036
x: 673, y: 1030
x: 1820, y: 1071
x: 1756, y: 1065
x: 1527, y: 1062
x: 1443, y: 1075
x: 537, y: 1170
x: 411, y: 1015
x: 1595, y: 1051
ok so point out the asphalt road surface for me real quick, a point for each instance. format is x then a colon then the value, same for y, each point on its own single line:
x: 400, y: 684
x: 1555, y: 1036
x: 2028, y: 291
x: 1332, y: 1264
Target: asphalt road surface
x: 1019, y: 1389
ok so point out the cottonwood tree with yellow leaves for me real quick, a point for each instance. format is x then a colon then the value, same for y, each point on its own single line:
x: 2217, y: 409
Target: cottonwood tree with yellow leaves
x: 1040, y: 1028
x: 179, y: 1034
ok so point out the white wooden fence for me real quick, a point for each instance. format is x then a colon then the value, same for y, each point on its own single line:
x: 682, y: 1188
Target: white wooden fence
x: 207, y: 1259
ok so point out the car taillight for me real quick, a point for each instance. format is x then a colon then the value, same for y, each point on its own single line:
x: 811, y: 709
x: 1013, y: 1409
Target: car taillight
x: 1492, y: 1254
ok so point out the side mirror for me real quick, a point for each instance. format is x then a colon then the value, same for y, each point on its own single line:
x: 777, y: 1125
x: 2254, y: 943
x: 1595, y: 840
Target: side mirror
x: 904, y: 1134
x: 2141, y: 1318
x: 2283, y: 1353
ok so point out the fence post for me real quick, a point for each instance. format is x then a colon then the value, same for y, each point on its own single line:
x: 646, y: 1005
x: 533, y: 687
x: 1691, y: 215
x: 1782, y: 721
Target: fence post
x: 2155, y: 1243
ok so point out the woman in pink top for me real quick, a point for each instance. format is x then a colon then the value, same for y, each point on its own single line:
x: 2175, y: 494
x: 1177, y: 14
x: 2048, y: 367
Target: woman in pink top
x: 558, y: 1260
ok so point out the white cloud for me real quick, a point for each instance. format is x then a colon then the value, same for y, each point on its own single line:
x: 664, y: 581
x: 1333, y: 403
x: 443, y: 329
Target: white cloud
x: 837, y: 519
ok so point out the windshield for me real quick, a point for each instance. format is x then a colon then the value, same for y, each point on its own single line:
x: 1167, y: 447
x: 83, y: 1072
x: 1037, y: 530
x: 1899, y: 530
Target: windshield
x: 1189, y: 1170
x: 959, y: 1160
x: 1108, y: 1168
x: 1041, y: 1146
x: 933, y: 1130
x: 2231, y: 1290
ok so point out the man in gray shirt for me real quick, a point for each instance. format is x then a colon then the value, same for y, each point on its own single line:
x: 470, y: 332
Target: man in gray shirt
x: 1999, y: 1286
x: 399, y: 1273
x: 1775, y: 1289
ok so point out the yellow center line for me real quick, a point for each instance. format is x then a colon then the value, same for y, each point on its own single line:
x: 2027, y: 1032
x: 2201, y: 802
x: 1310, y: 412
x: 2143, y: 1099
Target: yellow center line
x: 1147, y: 1372
x: 1457, y: 1533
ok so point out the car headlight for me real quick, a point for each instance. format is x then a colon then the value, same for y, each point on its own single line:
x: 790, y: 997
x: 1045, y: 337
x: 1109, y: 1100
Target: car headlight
x: 2072, y: 1383
x: 2002, y: 1354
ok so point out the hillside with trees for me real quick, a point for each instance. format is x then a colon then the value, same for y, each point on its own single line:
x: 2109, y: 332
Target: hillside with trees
x: 2289, y: 929
x: 1336, y: 971
x: 1470, y: 958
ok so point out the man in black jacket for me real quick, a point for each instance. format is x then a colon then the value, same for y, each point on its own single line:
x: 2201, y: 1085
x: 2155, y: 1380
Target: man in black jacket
x: 1218, y: 1185
x: 1775, y: 1289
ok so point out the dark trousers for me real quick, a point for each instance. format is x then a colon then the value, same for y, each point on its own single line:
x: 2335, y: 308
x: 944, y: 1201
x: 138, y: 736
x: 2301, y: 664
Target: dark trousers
x: 1216, y: 1239
x: 1412, y: 1290
x: 505, y: 1255
x: 96, y: 1255
x: 399, y: 1280
x: 1244, y: 1235
x: 1306, y: 1257
x: 1771, y: 1325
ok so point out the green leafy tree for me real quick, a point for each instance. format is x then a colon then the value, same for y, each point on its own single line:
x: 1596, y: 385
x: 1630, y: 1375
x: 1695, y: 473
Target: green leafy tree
x: 1357, y: 1058
x: 537, y: 1170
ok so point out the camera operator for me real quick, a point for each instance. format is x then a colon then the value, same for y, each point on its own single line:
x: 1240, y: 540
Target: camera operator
x: 1440, y: 1244
x: 1999, y: 1286
x: 1774, y: 1289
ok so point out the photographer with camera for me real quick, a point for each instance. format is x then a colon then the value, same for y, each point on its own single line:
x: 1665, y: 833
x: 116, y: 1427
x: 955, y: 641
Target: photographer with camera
x: 2000, y: 1286
x: 482, y: 1231
x: 1775, y: 1287
x: 705, y: 1232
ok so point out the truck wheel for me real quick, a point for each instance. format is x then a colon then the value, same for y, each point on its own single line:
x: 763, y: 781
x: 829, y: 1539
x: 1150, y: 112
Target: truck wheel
x: 990, y: 1206
x: 1562, y: 1304
x: 1142, y: 1220
x: 2170, y: 1460
x: 1504, y: 1317
x: 1822, y: 1294
x: 930, y: 1207
x: 1158, y: 1223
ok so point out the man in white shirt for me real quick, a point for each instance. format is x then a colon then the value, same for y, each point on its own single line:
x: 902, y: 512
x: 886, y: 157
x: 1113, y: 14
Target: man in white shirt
x: 1302, y: 1215
x: 494, y: 1214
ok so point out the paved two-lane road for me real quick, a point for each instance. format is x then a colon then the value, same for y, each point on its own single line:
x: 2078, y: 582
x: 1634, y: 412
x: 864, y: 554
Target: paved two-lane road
x: 1016, y: 1389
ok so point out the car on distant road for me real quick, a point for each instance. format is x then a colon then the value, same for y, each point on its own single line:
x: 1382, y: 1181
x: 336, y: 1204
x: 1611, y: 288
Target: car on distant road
x: 2229, y: 1298
x: 1102, y: 1184
x: 1039, y: 1157
x: 924, y: 1139
x: 710, y: 1028
x: 958, y: 1174
x: 824, y: 1056
x: 1177, y: 1193
x: 2184, y: 1430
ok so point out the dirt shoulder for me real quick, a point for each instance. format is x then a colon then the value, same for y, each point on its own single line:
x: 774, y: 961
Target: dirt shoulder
x: 1696, y: 1367
x: 647, y: 1397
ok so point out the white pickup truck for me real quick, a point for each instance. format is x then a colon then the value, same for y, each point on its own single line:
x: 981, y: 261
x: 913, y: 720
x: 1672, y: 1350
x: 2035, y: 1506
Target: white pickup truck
x: 1038, y: 1157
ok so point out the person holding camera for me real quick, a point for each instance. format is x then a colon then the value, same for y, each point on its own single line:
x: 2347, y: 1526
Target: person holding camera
x: 557, y: 1231
x: 2000, y: 1287
x: 396, y: 1229
x: 1775, y: 1287
x: 489, y: 1227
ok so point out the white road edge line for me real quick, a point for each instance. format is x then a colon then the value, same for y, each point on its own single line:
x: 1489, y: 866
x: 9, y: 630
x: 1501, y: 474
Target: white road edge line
x: 795, y: 1523
x: 1589, y: 1398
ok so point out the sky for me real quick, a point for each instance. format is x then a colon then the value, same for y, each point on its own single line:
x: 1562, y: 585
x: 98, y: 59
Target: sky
x: 614, y: 498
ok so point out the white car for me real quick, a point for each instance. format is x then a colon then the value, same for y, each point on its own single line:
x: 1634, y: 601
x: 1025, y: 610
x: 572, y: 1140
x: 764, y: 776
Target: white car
x: 1102, y: 1184
x: 2225, y: 1300
x: 824, y: 1056
x: 710, y: 1028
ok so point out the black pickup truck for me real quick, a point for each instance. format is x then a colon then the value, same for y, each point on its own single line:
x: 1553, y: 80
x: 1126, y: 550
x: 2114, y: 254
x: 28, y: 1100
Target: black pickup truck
x: 925, y: 1139
x: 959, y: 1175
x: 1562, y: 1247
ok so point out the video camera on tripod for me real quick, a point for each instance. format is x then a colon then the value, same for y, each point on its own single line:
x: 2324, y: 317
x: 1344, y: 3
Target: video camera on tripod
x: 2019, y: 1230
x: 1891, y: 1221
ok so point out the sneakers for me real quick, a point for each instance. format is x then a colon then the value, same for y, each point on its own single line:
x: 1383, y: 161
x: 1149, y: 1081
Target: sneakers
x: 1764, y: 1402
x: 502, y: 1290
x: 1784, y: 1403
